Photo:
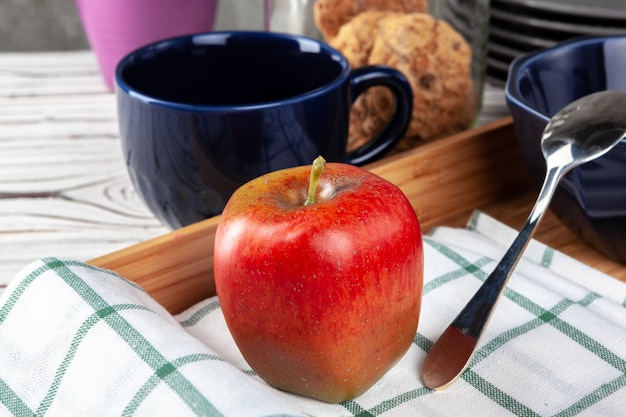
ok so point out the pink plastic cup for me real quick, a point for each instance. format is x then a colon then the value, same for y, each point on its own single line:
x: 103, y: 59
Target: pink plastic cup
x: 116, y: 27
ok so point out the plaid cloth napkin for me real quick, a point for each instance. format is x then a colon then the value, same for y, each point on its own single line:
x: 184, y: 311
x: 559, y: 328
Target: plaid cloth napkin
x: 80, y: 341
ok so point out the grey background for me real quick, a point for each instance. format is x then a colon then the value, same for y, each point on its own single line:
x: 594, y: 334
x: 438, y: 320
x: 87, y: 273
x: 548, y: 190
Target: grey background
x: 54, y: 25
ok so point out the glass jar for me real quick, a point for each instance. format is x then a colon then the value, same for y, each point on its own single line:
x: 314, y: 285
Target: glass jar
x: 471, y: 19
x: 293, y: 16
x: 446, y: 75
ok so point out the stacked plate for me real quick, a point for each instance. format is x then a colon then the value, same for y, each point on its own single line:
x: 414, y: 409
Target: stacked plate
x: 521, y: 26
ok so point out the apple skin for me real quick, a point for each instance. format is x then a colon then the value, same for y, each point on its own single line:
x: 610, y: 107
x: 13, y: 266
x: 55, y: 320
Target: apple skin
x: 321, y: 300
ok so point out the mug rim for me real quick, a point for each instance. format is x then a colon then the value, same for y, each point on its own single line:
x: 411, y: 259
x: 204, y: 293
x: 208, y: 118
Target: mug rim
x: 218, y: 37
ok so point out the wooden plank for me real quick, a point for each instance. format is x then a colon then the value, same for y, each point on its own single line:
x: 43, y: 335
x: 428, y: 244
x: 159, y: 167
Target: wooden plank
x: 64, y: 189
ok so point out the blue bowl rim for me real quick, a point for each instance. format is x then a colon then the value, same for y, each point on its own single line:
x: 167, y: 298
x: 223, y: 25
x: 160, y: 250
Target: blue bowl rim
x: 511, y: 90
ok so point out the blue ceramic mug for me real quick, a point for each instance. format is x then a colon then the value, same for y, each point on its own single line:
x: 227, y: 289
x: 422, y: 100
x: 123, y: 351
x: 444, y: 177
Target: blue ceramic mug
x: 202, y: 114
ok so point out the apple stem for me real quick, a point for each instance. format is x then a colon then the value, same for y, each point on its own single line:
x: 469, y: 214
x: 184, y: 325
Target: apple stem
x: 318, y: 167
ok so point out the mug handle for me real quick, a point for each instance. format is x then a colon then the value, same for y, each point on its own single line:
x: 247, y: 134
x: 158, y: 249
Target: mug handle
x: 378, y: 75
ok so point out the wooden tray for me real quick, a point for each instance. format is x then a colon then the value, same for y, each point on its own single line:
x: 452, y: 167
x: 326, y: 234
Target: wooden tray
x: 444, y: 180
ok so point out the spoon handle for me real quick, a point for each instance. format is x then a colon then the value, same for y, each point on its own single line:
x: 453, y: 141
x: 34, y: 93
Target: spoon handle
x: 454, y: 349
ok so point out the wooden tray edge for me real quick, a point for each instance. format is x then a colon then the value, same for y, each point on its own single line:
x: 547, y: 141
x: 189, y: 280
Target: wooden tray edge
x: 442, y: 179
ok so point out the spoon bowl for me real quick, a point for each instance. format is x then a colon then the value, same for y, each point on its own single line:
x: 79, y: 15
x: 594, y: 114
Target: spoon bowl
x: 582, y: 131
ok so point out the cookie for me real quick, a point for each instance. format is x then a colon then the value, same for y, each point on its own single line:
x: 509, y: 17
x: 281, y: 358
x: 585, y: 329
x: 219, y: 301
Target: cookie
x: 436, y: 60
x: 355, y: 39
x: 330, y: 15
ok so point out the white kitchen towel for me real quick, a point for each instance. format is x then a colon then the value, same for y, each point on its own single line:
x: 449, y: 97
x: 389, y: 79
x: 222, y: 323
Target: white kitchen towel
x: 80, y: 341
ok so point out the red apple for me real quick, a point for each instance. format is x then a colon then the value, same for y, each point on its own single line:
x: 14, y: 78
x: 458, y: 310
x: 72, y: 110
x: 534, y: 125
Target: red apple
x: 321, y: 298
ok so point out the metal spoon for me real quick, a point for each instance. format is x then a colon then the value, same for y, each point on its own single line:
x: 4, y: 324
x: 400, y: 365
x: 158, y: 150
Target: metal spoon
x: 582, y: 131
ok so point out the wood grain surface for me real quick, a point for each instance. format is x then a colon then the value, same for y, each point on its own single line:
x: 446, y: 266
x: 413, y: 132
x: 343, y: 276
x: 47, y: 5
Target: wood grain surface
x: 64, y: 190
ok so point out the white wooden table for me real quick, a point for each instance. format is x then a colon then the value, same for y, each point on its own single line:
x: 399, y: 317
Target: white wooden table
x: 64, y: 188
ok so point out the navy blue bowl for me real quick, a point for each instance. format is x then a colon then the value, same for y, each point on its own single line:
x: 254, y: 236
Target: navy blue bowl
x: 591, y: 199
